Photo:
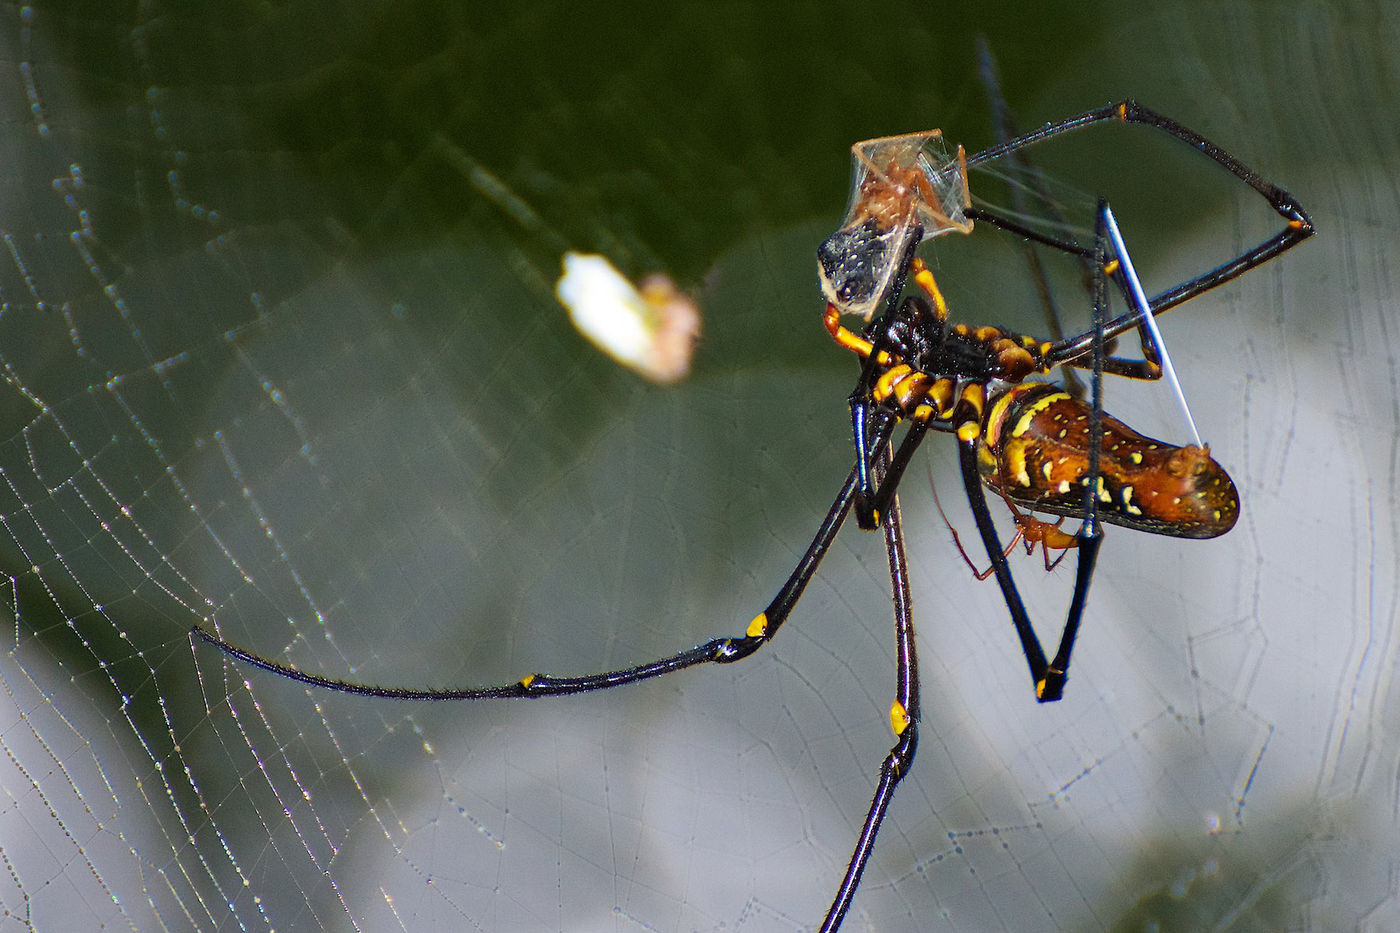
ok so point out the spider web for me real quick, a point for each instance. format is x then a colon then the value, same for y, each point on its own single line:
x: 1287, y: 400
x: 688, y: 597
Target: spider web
x: 280, y: 357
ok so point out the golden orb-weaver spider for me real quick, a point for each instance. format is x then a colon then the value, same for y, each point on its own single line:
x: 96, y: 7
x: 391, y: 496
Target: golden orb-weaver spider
x: 1039, y: 447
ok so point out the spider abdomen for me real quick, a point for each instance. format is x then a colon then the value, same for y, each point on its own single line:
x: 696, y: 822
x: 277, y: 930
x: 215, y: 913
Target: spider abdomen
x: 1035, y: 448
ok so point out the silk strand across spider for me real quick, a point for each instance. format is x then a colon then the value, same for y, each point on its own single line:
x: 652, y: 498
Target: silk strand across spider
x: 1031, y: 442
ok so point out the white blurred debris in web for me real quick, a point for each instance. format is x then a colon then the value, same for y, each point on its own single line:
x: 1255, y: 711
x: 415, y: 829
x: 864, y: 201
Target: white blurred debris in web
x: 652, y: 330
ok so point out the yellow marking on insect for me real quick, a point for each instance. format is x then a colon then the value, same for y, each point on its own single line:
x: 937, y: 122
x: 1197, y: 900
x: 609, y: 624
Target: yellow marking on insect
x: 1110, y: 267
x: 922, y: 412
x: 1295, y: 224
x: 969, y: 432
x: 998, y: 413
x: 1128, y: 501
x: 1063, y: 487
x: 899, y: 717
x: 1040, y: 689
x: 1024, y: 424
x: 758, y: 628
x: 1046, y: 469
x: 527, y: 680
x: 1102, y: 491
x: 1135, y: 456
x: 1016, y: 463
x: 987, y: 461
x: 1123, y: 112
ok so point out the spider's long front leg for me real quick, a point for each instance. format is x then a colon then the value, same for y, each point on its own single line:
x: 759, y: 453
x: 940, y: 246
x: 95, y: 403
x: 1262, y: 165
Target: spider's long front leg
x: 761, y: 630
x: 904, y: 718
x: 863, y: 412
x: 890, y: 386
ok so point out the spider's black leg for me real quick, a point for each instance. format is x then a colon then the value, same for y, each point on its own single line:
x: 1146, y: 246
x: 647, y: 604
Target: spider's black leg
x: 1048, y: 678
x: 904, y: 718
x: 968, y: 419
x: 718, y: 650
x: 889, y: 485
x: 1063, y: 244
x: 767, y: 622
x: 863, y: 413
x: 862, y: 408
x: 1149, y: 367
x: 1045, y: 205
x: 1090, y: 534
x: 1298, y: 225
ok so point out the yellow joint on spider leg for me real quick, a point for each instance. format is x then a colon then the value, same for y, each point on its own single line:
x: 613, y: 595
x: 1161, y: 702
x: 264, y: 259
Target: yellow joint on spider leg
x: 758, y: 628
x: 527, y: 680
x: 1110, y: 267
x: 924, y: 279
x: 969, y: 432
x: 899, y: 717
x: 1040, y: 684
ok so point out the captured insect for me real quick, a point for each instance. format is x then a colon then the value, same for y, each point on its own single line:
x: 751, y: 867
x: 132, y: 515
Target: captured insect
x: 1035, y: 445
